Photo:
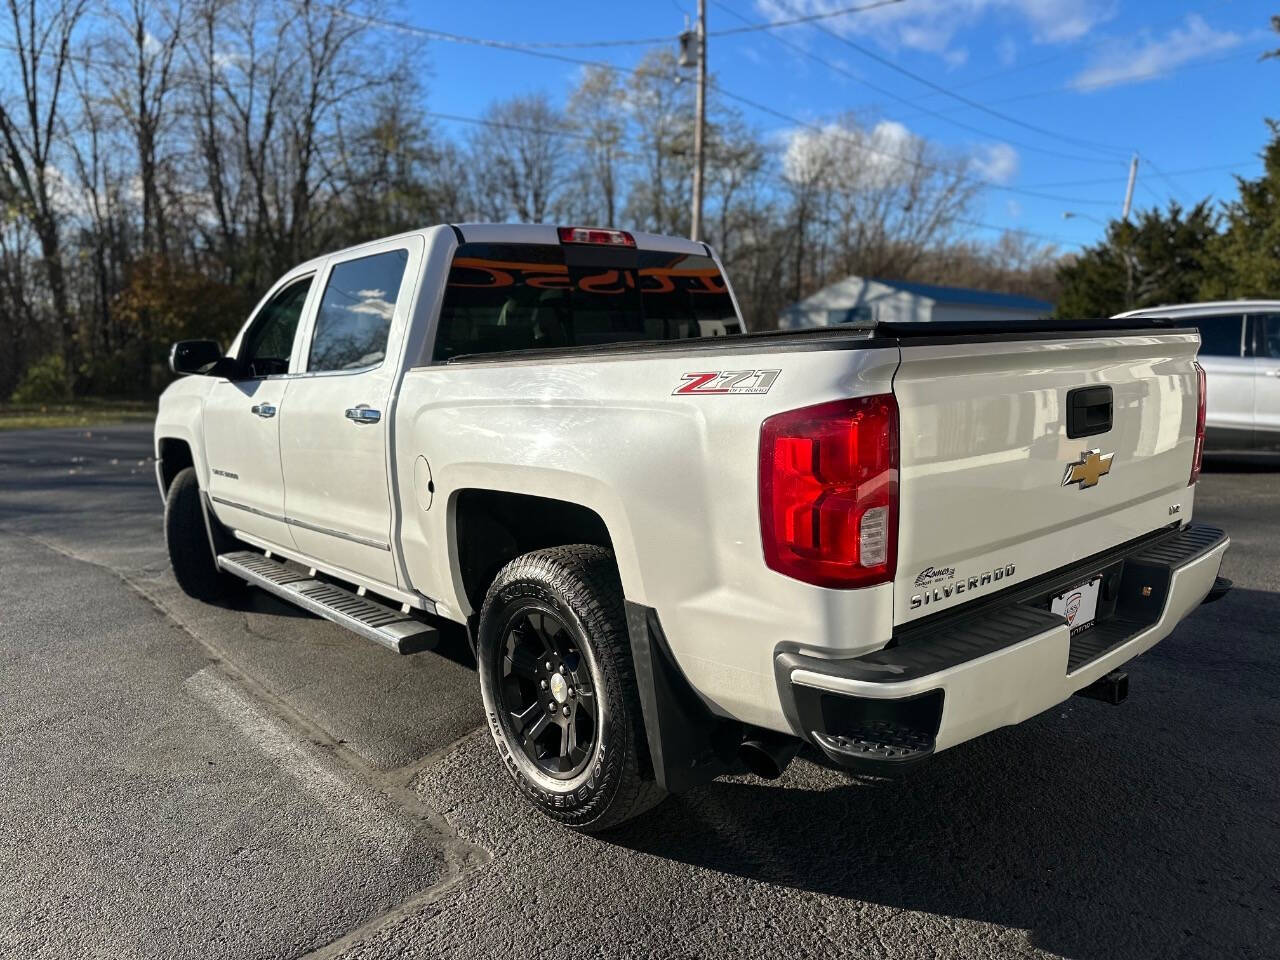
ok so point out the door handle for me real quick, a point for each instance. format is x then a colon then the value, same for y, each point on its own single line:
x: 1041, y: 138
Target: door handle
x: 263, y: 410
x: 363, y: 414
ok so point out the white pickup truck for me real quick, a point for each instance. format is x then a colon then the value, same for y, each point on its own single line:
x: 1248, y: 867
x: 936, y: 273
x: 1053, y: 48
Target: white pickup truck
x: 681, y: 548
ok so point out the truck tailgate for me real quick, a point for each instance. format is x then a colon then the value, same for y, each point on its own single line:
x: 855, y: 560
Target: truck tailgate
x: 993, y: 489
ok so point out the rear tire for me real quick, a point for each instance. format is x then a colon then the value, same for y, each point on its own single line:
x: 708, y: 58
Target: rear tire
x: 190, y: 553
x: 555, y: 669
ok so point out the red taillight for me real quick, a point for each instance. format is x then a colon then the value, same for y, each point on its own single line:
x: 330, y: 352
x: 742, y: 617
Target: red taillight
x: 1197, y: 455
x: 829, y: 492
x: 609, y: 238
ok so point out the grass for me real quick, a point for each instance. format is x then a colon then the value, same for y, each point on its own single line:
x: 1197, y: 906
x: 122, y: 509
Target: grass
x: 80, y: 413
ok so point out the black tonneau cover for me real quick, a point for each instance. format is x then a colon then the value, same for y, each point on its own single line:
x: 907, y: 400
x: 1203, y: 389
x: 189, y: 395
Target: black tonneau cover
x: 1039, y: 327
x: 851, y: 337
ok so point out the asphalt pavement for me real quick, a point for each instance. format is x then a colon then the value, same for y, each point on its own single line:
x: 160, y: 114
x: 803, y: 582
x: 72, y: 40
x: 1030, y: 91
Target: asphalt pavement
x: 185, y: 780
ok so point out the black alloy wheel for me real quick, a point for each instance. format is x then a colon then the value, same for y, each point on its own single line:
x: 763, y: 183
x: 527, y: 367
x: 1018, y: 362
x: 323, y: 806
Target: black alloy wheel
x: 559, y: 687
x: 547, y: 694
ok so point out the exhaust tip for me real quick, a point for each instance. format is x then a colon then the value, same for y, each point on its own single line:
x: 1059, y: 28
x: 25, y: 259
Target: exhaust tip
x: 768, y: 756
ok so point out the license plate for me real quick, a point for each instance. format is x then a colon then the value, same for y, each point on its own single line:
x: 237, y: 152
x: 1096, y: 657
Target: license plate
x: 1079, y: 605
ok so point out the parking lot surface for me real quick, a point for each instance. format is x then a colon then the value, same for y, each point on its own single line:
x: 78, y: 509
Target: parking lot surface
x: 184, y: 780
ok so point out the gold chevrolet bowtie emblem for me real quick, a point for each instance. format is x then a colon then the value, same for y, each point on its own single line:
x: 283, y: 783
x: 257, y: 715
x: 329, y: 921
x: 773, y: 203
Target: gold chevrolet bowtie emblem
x: 1086, y: 471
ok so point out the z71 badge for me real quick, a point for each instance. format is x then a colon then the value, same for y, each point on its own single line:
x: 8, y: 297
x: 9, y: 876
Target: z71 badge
x: 727, y: 381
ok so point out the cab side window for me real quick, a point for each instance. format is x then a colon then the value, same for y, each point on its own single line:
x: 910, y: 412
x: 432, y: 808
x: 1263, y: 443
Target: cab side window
x: 1267, y: 334
x: 268, y: 343
x: 1220, y: 336
x: 354, y: 319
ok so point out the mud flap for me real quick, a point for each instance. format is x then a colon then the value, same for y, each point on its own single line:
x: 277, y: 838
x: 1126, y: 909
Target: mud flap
x: 688, y: 744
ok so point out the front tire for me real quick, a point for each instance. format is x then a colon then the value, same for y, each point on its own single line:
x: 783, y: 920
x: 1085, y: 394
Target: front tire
x: 190, y: 553
x: 559, y: 688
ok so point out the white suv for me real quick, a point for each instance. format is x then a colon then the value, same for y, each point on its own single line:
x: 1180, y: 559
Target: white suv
x: 1240, y: 353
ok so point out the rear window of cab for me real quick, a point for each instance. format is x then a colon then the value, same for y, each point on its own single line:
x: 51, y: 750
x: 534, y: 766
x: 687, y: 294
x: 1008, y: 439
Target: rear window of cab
x: 505, y: 297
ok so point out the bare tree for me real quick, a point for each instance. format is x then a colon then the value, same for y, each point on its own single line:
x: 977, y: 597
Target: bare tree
x: 214, y: 144
x: 396, y: 172
x: 736, y: 165
x: 662, y: 111
x: 23, y: 334
x: 597, y: 111
x: 138, y: 57
x: 884, y: 195
x: 42, y: 49
x: 88, y: 152
x: 519, y: 155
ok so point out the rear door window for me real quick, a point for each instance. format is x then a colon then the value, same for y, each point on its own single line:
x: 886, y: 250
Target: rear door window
x: 503, y: 297
x: 1266, y: 328
x: 1220, y: 336
x: 354, y: 318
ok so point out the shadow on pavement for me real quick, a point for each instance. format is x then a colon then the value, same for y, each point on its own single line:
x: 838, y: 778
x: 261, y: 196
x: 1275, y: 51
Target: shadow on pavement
x: 1151, y: 829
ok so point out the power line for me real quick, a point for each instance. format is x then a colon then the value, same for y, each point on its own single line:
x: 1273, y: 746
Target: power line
x: 959, y: 97
x: 560, y: 131
x: 653, y: 41
x: 910, y: 161
x: 1147, y: 28
x: 549, y: 54
x: 1173, y: 187
x: 480, y: 121
x: 414, y: 29
x: 795, y: 121
x: 1112, y: 180
x: 1026, y: 233
x: 809, y: 18
x: 568, y: 132
x: 506, y: 125
x: 531, y: 45
x: 914, y: 104
x: 1072, y: 88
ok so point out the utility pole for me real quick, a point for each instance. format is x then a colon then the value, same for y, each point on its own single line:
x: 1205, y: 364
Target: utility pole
x: 1126, y: 236
x: 699, y: 129
x: 1128, y: 192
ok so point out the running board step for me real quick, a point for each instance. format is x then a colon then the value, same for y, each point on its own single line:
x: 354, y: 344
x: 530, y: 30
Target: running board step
x: 377, y: 622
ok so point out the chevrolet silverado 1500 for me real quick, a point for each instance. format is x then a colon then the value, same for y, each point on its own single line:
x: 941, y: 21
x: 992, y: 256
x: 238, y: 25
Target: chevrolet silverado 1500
x: 680, y: 547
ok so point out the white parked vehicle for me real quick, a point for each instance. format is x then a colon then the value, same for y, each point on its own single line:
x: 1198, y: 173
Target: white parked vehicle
x: 1240, y: 353
x: 680, y: 547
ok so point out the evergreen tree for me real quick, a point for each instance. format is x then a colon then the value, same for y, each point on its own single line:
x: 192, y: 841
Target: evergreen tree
x: 1165, y: 257
x: 1249, y: 248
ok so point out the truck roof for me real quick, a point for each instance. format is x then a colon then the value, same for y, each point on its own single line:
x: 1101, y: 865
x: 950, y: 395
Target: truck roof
x: 520, y: 233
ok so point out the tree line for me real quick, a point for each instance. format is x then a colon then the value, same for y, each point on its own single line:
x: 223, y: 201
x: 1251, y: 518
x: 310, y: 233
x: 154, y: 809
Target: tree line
x: 1184, y: 254
x: 163, y: 161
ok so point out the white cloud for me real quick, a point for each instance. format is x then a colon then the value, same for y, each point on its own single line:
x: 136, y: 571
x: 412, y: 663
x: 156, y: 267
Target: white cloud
x: 887, y: 155
x: 1134, y: 61
x: 997, y: 162
x: 877, y: 158
x: 931, y: 25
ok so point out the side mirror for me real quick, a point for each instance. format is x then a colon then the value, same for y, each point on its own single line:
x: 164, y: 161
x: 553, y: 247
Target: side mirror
x: 194, y: 356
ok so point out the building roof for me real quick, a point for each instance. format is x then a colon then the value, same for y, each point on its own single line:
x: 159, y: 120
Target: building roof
x: 966, y: 295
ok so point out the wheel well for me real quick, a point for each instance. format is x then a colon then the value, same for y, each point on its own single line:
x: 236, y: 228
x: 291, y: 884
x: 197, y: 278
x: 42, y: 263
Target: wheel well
x: 175, y: 456
x: 494, y: 527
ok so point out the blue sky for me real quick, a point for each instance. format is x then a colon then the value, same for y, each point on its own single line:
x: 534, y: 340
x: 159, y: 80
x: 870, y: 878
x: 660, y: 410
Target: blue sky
x: 1070, y: 87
